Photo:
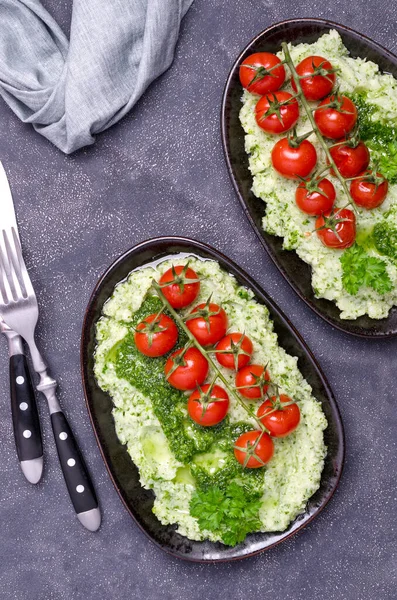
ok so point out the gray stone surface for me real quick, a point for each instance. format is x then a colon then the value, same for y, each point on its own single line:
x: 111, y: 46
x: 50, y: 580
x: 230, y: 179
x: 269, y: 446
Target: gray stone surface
x: 161, y: 171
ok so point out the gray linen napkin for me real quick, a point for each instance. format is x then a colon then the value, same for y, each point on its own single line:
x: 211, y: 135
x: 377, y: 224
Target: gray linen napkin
x: 72, y: 90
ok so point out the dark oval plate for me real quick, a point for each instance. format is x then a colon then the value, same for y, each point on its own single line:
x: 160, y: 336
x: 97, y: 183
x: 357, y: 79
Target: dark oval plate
x: 124, y: 473
x: 295, y: 271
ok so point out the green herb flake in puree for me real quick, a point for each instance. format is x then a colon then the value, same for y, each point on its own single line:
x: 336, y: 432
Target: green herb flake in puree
x: 183, y: 463
x: 376, y: 97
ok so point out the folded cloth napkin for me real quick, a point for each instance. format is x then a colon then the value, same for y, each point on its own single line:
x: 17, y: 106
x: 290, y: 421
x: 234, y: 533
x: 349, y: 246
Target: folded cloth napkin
x: 72, y: 90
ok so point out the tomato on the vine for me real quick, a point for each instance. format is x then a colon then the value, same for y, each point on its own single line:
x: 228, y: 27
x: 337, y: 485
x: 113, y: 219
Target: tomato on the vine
x: 335, y: 116
x: 293, y: 160
x: 156, y: 335
x: 277, y: 112
x: 208, y: 323
x: 208, y: 405
x: 252, y: 381
x: 234, y: 351
x: 350, y: 160
x: 180, y: 285
x: 279, y: 420
x: 254, y: 449
x: 370, y: 190
x: 316, y: 77
x: 185, y: 370
x: 262, y: 72
x: 337, y: 229
x: 315, y: 197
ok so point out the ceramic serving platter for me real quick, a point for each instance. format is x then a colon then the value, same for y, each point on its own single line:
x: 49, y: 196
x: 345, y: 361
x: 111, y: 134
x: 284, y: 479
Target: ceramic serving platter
x: 295, y: 271
x: 124, y: 473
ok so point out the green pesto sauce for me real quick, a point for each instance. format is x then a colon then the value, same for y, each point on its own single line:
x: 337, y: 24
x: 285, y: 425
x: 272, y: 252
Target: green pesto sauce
x: 385, y: 239
x: 208, y: 451
x: 380, y: 137
x: 382, y: 238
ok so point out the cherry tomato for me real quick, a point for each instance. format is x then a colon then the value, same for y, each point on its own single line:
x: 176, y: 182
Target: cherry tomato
x: 294, y: 161
x: 370, y: 190
x: 210, y: 325
x: 279, y: 102
x: 260, y: 74
x: 350, y: 161
x: 252, y: 381
x: 203, y: 411
x: 335, y: 121
x: 279, y: 420
x: 234, y: 351
x: 339, y: 228
x: 316, y: 77
x: 191, y: 369
x: 254, y: 449
x: 156, y: 335
x: 315, y: 198
x: 176, y: 288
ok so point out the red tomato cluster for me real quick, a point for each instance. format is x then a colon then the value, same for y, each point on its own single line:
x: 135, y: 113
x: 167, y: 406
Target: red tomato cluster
x: 293, y: 157
x: 255, y: 448
x: 187, y: 368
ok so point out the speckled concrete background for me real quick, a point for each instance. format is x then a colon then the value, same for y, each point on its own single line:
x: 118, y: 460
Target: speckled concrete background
x: 161, y: 171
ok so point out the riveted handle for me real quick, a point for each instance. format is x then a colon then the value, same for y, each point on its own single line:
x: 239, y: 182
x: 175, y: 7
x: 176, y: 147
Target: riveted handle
x: 25, y: 417
x: 77, y: 478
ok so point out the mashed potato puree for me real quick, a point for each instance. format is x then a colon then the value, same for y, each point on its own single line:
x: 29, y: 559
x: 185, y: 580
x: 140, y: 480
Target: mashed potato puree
x: 293, y: 474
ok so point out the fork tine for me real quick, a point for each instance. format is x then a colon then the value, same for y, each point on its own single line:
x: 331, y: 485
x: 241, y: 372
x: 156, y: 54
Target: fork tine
x: 14, y: 273
x: 24, y: 275
x: 3, y: 279
x: 9, y: 277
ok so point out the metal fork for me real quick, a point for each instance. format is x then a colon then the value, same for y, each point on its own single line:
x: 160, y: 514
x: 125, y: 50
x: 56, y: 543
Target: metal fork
x: 19, y: 309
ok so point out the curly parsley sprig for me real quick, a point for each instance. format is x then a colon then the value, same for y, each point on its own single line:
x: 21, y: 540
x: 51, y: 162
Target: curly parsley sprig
x: 232, y: 514
x: 360, y: 269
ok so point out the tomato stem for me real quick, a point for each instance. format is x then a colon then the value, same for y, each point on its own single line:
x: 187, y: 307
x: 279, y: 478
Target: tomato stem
x: 295, y: 140
x: 261, y: 72
x: 206, y: 354
x: 308, y: 111
x: 336, y: 144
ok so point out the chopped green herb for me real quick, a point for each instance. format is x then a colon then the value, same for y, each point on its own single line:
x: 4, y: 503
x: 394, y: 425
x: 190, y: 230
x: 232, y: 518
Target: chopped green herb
x: 232, y: 514
x: 243, y: 293
x: 361, y: 269
x: 380, y: 137
x: 291, y: 241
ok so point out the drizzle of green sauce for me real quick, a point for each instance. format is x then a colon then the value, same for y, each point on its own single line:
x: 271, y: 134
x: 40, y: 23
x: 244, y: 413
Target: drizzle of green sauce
x: 364, y: 238
x: 380, y: 137
x: 207, y: 451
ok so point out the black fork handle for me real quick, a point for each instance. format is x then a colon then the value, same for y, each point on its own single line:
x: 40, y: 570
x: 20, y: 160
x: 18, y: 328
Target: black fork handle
x: 25, y: 416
